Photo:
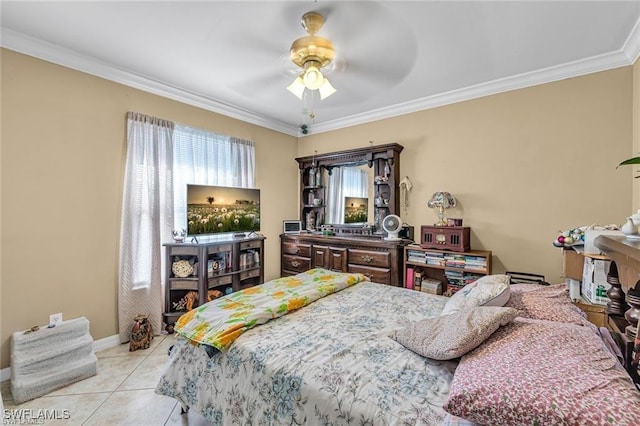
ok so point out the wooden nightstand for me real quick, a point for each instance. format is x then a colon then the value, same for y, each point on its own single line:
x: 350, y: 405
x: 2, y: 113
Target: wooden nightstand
x: 596, y: 314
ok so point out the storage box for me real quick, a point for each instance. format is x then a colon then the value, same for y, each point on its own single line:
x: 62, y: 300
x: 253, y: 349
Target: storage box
x: 594, y: 279
x: 572, y: 264
x: 430, y: 285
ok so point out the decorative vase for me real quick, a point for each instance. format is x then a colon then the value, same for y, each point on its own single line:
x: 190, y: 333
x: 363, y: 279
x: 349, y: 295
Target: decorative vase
x: 629, y: 228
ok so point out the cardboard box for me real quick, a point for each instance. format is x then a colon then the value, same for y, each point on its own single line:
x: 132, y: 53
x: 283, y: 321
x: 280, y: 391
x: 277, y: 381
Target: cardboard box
x: 572, y: 264
x: 594, y: 279
x: 429, y: 285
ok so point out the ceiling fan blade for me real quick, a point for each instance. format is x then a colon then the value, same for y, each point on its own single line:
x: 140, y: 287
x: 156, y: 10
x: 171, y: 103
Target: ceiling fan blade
x: 260, y: 84
x: 366, y: 65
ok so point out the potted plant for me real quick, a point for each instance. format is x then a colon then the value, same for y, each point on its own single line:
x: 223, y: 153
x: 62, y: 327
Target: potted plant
x: 634, y: 160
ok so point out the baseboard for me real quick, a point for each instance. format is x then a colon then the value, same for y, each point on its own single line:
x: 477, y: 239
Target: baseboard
x: 106, y: 343
x: 98, y: 345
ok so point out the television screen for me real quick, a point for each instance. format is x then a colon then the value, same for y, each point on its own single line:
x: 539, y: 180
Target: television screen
x: 355, y: 209
x: 220, y: 209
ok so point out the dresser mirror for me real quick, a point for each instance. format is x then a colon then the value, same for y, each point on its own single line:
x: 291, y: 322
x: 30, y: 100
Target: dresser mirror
x: 349, y: 195
x: 352, y: 191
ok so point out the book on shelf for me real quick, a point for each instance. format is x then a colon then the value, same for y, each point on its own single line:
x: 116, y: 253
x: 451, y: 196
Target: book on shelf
x: 410, y: 277
x: 417, y: 279
x: 453, y: 289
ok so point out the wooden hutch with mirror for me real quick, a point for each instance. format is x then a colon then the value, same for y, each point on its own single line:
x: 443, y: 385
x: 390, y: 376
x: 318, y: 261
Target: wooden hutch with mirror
x: 344, y: 196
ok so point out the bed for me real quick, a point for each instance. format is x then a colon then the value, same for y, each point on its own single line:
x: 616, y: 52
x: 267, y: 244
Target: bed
x: 355, y: 354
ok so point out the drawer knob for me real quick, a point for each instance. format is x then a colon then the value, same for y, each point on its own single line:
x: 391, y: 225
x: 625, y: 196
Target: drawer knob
x: 367, y: 259
x: 295, y: 250
x: 295, y: 263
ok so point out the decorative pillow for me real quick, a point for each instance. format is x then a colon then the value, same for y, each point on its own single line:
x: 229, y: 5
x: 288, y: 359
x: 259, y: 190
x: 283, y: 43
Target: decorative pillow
x: 549, y: 303
x: 490, y: 290
x: 451, y: 336
x: 545, y: 373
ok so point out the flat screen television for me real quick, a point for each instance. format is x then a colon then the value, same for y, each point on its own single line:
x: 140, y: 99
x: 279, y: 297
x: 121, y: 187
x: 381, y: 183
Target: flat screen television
x: 355, y: 209
x: 222, y: 209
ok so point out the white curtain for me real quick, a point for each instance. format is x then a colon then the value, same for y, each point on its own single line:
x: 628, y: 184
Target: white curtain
x: 147, y: 220
x: 204, y: 158
x: 345, y: 182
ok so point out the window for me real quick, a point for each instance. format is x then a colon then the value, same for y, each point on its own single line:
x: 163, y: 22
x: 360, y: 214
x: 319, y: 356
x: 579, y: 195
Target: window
x: 205, y: 158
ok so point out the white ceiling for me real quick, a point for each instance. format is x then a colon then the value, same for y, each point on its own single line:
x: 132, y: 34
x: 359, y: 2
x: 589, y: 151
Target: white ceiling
x: 393, y: 57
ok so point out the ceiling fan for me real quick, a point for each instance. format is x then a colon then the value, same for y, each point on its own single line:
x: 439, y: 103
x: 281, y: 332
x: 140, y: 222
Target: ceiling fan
x: 312, y: 53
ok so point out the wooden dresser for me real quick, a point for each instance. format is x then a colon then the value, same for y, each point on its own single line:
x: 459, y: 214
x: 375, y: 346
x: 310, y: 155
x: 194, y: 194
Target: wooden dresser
x: 378, y: 259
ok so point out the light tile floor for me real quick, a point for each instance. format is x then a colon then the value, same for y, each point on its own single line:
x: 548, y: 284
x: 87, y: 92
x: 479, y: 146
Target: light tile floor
x: 122, y: 393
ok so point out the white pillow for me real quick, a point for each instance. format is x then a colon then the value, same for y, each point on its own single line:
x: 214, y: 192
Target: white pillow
x: 490, y: 290
x: 451, y: 336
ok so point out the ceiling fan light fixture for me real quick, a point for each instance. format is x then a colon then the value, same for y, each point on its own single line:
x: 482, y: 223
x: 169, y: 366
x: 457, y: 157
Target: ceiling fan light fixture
x: 297, y: 87
x: 312, y: 53
x: 326, y: 90
x: 313, y: 78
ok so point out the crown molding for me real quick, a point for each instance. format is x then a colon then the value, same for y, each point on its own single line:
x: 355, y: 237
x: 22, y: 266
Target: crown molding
x: 631, y: 46
x: 40, y: 49
x: 547, y: 75
x: 52, y: 53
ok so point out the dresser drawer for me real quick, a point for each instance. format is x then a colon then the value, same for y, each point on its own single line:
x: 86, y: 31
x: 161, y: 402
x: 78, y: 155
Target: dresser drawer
x: 377, y: 275
x: 295, y: 263
x: 220, y: 248
x: 303, y: 250
x: 250, y: 245
x: 369, y: 258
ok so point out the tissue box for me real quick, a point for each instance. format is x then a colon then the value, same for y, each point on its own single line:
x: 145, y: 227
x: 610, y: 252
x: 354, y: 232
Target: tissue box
x: 594, y: 279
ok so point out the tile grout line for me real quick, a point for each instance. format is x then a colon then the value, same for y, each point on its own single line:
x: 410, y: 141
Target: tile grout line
x: 120, y: 384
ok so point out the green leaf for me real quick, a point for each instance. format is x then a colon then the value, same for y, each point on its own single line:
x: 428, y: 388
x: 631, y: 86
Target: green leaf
x: 634, y: 160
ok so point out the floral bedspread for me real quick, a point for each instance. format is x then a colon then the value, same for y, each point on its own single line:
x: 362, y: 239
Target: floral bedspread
x: 219, y: 322
x: 331, y: 362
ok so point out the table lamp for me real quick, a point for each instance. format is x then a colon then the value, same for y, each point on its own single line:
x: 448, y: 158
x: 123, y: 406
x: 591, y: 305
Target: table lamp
x: 441, y: 201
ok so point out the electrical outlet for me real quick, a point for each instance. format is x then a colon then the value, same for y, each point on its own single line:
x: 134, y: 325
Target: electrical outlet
x: 55, y: 319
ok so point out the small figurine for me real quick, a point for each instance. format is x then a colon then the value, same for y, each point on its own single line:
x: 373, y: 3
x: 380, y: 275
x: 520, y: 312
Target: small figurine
x: 179, y: 235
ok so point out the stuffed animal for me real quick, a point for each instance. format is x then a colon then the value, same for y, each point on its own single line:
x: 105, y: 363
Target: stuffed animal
x: 141, y: 333
x: 191, y: 300
x: 213, y: 294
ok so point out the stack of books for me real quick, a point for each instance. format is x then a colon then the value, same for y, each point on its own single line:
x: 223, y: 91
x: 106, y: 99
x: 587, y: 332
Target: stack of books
x: 416, y: 256
x: 454, y: 260
x: 476, y: 262
x: 455, y: 280
x: 436, y: 259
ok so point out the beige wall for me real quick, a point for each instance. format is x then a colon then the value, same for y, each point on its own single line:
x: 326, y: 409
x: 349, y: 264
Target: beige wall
x: 523, y: 164
x: 63, y: 153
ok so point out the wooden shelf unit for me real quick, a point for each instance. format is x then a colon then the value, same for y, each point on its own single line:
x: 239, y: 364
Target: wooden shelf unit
x: 441, y: 265
x: 239, y: 263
